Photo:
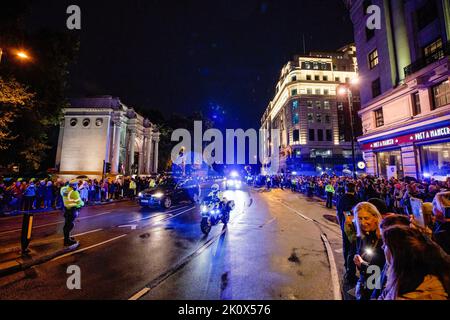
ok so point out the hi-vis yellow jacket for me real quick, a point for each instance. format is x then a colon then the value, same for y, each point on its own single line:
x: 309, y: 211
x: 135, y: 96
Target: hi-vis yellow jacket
x: 71, y: 198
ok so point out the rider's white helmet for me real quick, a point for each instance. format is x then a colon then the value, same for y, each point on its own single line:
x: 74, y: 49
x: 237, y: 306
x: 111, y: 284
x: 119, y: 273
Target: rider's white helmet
x: 215, y: 187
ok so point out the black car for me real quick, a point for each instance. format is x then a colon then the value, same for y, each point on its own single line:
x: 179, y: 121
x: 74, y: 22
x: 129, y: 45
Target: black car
x: 170, y: 191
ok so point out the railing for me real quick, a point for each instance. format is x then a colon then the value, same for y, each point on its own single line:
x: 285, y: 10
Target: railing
x: 425, y: 61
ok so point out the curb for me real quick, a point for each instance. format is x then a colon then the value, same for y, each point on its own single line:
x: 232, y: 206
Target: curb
x: 11, y: 267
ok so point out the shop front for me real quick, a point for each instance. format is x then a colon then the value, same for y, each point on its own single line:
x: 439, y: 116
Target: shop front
x: 419, y: 153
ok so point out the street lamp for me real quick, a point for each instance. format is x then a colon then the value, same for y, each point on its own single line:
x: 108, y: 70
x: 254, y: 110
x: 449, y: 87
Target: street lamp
x: 346, y: 89
x: 21, y: 54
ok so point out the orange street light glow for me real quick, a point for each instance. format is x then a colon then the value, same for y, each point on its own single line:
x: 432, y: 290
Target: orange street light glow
x: 22, y: 55
x: 342, y: 90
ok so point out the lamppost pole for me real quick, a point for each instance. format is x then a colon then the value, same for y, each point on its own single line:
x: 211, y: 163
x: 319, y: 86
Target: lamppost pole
x: 350, y: 107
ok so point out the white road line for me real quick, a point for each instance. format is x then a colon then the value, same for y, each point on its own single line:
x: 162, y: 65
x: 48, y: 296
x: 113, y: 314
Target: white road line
x: 87, y: 248
x: 158, y: 215
x: 87, y: 232
x: 297, y: 212
x: 333, y: 269
x: 56, y: 223
x: 175, y: 215
x: 140, y: 294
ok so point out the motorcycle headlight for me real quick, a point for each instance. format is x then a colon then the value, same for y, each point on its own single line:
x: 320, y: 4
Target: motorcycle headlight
x: 158, y: 195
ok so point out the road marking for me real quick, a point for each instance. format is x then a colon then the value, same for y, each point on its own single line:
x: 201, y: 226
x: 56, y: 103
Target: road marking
x: 333, y: 269
x: 297, y: 212
x: 56, y: 223
x: 87, y: 248
x: 132, y: 226
x: 157, y: 215
x: 173, y: 216
x: 140, y: 294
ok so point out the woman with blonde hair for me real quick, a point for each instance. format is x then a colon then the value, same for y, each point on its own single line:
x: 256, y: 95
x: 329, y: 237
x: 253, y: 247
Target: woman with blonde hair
x: 369, y: 251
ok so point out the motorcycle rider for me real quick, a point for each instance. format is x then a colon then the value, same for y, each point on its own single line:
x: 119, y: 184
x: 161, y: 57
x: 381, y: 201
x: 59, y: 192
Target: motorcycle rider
x: 215, y: 193
x: 72, y: 205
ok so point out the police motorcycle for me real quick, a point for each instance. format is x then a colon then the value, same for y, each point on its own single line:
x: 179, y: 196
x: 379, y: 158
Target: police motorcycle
x: 215, y: 209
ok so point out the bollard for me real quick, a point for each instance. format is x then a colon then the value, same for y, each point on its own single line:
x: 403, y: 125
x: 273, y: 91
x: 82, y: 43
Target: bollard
x: 27, y: 227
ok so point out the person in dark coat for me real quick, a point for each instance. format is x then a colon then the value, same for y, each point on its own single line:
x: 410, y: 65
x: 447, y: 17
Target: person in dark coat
x: 369, y: 248
x: 344, y: 209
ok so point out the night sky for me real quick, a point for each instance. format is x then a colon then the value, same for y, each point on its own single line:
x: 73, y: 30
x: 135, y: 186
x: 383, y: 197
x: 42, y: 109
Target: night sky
x: 177, y: 56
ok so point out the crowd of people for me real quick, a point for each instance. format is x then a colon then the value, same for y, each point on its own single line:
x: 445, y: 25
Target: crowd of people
x: 28, y: 195
x: 383, y: 231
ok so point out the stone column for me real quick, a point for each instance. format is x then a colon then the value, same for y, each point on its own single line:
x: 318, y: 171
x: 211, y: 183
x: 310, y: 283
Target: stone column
x: 155, y: 152
x: 141, y: 167
x: 116, y: 148
x: 132, y: 142
x: 149, y: 167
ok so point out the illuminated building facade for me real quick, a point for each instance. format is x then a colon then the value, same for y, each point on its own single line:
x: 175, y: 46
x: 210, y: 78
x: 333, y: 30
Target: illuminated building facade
x: 405, y: 92
x: 101, y: 129
x: 312, y: 118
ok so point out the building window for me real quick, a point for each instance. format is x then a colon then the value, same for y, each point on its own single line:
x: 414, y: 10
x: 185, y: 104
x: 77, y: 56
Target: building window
x: 296, y: 135
x: 308, y: 91
x: 319, y: 118
x: 347, y: 80
x: 441, y: 94
x: 317, y: 78
x: 329, y: 135
x: 295, y: 118
x: 73, y: 122
x: 366, y: 4
x: 416, y: 104
x: 373, y: 59
x: 310, y: 117
x: 311, y: 135
x: 340, y: 106
x: 326, y: 92
x: 320, y: 135
x: 294, y: 92
x: 317, y: 91
x: 435, y: 159
x: 376, y: 88
x: 325, y: 78
x: 370, y: 33
x: 294, y: 78
x: 294, y: 105
x: 327, y: 119
x: 318, y: 104
x: 432, y: 48
x: 315, y: 66
x: 337, y: 79
x: 426, y: 14
x: 308, y: 77
x: 379, y: 119
x: 326, y: 105
x: 309, y: 103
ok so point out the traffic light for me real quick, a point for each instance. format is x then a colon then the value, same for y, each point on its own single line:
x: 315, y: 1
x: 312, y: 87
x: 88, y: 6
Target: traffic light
x: 107, y: 167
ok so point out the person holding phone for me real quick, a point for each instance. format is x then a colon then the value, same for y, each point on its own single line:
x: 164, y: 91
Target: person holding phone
x: 441, y: 213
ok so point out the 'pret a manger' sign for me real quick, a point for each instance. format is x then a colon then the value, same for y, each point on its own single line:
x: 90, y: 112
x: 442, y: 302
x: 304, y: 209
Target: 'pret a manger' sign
x: 410, y: 138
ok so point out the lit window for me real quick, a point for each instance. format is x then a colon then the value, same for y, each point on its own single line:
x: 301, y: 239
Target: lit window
x: 373, y: 59
x: 379, y: 118
x: 295, y: 118
x: 310, y: 117
x: 309, y: 103
x: 319, y: 118
x: 441, y: 94
x: 326, y: 105
x: 432, y: 48
x: 416, y: 104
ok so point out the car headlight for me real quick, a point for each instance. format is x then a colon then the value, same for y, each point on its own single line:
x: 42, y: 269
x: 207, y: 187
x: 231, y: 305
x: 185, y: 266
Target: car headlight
x: 140, y: 194
x: 158, y: 195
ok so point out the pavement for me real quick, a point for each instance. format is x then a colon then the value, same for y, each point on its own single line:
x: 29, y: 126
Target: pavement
x: 284, y: 246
